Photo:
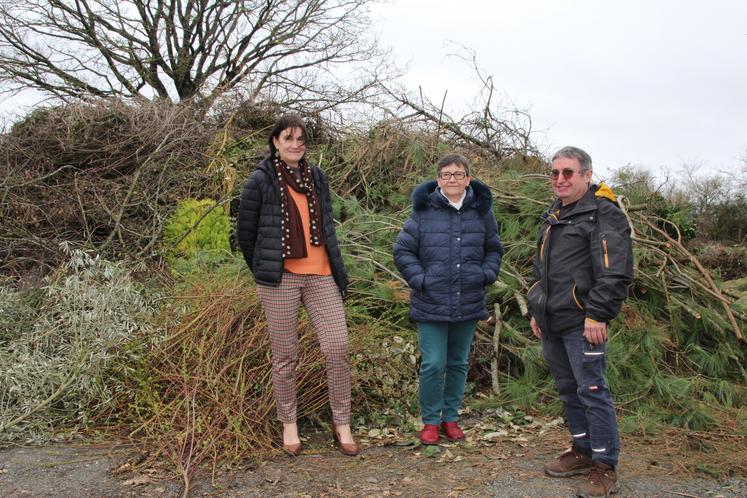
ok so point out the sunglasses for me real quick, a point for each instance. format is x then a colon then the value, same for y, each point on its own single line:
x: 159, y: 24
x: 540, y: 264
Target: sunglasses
x: 566, y: 172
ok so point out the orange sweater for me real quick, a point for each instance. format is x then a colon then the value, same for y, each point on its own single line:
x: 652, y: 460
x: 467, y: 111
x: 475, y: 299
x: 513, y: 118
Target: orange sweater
x: 317, y: 261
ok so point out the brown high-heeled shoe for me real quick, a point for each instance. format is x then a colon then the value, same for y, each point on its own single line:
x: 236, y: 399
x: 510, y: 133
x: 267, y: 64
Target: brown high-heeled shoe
x: 349, y: 449
x: 292, y: 449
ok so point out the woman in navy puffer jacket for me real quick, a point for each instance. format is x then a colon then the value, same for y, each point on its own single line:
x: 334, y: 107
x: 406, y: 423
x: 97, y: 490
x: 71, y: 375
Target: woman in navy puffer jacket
x: 448, y: 251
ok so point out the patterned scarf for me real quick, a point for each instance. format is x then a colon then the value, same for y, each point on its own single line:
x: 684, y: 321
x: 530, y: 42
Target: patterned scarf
x: 291, y: 228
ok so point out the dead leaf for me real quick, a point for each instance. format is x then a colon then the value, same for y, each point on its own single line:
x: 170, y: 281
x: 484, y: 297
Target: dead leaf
x: 493, y: 436
x: 137, y: 481
x: 407, y: 442
x: 556, y: 422
x: 521, y: 441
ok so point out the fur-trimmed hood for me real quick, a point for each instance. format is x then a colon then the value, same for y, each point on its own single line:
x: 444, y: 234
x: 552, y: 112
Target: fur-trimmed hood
x: 478, y: 196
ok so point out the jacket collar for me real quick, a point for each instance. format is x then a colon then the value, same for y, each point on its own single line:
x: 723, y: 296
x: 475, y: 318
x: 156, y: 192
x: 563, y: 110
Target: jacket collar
x: 478, y: 197
x: 585, y: 204
x: 266, y: 166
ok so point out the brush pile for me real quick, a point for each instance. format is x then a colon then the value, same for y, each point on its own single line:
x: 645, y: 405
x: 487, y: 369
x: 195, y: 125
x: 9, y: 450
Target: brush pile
x: 195, y: 379
x: 65, y: 348
x: 206, y: 388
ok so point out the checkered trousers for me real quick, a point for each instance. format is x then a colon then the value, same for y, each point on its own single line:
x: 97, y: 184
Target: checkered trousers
x: 321, y: 297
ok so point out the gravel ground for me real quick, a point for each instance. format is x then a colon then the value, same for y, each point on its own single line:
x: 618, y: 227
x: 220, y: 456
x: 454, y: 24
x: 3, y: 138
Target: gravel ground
x: 393, y: 468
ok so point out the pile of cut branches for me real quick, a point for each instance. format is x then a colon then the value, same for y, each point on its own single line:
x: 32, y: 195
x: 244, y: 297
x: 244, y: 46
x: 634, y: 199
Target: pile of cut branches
x: 101, y: 175
x: 676, y: 352
x: 63, y: 348
x: 205, y: 392
x: 677, y: 349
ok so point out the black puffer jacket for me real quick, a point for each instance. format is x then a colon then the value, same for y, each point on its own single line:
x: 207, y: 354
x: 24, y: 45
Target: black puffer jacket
x: 583, y: 263
x: 258, y: 226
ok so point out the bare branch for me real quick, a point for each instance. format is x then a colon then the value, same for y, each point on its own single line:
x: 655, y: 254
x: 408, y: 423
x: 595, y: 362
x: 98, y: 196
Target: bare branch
x: 190, y: 50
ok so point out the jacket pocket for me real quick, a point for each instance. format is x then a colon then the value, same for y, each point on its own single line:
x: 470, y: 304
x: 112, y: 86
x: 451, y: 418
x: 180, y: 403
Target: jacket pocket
x: 536, y: 299
x: 420, y: 286
x: 613, y: 252
x: 605, y: 252
x: 568, y: 297
x: 257, y: 252
x: 593, y: 363
x: 575, y: 298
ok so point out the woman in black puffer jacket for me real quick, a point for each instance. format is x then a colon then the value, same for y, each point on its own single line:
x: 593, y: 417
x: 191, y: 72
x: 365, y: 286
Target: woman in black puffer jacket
x: 287, y: 235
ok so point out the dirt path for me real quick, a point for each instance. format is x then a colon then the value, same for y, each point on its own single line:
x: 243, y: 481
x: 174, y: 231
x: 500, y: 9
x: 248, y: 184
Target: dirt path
x: 396, y: 467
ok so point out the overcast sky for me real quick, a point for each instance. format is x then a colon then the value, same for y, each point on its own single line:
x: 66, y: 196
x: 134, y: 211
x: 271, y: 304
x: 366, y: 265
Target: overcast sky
x: 656, y: 83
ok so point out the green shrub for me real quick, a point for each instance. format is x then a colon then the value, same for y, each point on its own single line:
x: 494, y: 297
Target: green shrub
x: 196, y: 225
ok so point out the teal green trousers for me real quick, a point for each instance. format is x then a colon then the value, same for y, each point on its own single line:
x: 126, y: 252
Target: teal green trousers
x: 444, y: 347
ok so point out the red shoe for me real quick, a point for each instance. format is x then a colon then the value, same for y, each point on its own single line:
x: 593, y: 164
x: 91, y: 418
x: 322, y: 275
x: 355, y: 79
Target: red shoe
x: 452, y: 431
x: 429, y: 434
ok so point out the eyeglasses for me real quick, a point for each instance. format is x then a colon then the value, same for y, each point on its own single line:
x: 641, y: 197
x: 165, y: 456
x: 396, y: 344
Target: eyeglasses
x: 458, y: 175
x: 567, y: 173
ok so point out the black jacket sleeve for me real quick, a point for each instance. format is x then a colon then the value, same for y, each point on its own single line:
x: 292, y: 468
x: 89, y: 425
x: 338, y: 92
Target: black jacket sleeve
x: 612, y: 263
x: 248, y: 217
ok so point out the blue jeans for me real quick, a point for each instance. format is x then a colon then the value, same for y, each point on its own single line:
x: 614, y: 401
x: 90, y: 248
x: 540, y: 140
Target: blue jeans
x: 578, y: 368
x: 444, y: 347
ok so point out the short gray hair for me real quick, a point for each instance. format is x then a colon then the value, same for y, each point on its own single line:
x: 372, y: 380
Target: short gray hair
x: 579, y: 155
x: 453, y: 159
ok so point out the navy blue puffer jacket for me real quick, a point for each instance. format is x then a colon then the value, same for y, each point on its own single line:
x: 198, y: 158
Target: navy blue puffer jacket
x: 449, y: 256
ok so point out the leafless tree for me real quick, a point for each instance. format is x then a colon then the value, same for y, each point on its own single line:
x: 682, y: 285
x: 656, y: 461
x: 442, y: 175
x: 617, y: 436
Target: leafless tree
x: 188, y: 49
x: 500, y: 129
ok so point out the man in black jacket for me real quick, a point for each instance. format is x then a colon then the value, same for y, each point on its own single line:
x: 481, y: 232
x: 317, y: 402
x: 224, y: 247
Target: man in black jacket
x: 582, y: 268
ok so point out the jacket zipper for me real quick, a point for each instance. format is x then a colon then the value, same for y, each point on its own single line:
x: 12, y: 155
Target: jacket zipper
x: 606, y: 254
x: 544, y: 240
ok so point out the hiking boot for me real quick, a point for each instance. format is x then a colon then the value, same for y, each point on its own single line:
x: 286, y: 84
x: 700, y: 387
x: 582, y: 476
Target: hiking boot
x: 429, y: 434
x: 602, y: 481
x: 570, y: 463
x: 452, y: 431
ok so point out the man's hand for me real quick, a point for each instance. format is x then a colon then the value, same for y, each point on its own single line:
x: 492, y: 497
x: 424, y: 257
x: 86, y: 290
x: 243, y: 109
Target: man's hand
x: 535, y: 328
x: 595, y: 332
